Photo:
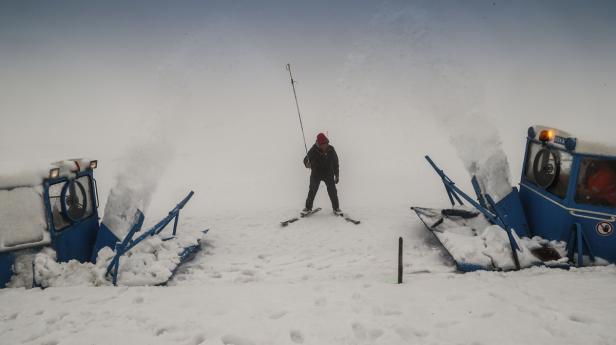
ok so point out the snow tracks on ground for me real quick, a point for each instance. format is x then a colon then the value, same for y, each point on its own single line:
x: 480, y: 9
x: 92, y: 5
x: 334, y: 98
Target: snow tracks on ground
x: 321, y: 281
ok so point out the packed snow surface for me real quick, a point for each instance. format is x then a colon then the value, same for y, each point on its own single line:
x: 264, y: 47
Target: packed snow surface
x: 390, y: 86
x: 320, y: 281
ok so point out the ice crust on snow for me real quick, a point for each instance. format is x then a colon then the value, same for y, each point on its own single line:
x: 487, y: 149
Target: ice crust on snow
x: 22, y: 217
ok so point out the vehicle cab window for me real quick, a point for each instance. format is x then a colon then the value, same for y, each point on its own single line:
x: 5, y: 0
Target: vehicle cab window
x: 596, y: 184
x: 549, y: 168
x: 71, y: 201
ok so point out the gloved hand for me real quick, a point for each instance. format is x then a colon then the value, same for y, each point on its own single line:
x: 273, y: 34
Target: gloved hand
x: 336, y: 179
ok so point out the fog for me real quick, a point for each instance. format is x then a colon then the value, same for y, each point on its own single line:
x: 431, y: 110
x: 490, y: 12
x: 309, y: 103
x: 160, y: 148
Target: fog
x: 199, y: 92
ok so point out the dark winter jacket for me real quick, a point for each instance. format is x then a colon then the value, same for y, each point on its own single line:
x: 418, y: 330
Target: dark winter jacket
x: 323, y: 164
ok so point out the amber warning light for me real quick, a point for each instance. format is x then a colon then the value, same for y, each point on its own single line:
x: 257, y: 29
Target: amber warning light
x: 546, y: 135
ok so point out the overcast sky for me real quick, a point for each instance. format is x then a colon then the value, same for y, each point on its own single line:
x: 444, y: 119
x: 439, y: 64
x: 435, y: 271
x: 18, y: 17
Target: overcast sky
x: 85, y: 78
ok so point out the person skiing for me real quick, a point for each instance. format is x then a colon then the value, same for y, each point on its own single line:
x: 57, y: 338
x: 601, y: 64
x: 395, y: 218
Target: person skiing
x: 323, y: 162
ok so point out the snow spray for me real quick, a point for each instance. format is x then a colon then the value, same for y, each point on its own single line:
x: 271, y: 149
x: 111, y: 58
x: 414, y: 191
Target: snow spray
x: 135, y: 186
x: 425, y: 71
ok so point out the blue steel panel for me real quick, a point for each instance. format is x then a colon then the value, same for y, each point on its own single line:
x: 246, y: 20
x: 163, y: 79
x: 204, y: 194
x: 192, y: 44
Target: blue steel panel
x: 77, y: 241
x: 464, y: 267
x: 546, y: 217
x: 544, y: 212
x: 513, y: 213
x: 104, y: 238
x: 6, y: 268
x: 603, y: 246
x: 550, y: 217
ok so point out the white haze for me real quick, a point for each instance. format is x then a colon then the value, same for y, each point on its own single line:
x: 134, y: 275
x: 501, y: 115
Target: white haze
x: 389, y: 87
x: 135, y: 184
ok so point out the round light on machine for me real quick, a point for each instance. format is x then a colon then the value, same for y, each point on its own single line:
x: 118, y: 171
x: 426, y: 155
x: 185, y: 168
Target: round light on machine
x: 546, y: 135
x: 54, y: 173
x: 93, y: 164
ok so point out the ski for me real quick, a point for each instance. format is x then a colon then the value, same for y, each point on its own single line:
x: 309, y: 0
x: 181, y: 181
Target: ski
x: 354, y: 221
x: 348, y: 219
x: 302, y: 215
x: 289, y: 221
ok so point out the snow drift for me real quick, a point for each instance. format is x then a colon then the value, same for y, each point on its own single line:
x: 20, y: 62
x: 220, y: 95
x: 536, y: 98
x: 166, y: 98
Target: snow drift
x: 152, y: 262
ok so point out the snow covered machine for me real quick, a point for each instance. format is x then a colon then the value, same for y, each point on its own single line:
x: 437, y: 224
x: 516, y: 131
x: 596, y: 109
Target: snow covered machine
x: 49, y: 227
x: 564, y: 212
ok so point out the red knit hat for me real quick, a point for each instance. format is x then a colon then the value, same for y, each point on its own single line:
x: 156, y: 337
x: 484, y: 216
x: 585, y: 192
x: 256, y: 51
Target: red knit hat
x: 322, y: 139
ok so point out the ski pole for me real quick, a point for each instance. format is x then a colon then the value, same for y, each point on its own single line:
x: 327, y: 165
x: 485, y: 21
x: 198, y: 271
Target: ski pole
x: 288, y: 67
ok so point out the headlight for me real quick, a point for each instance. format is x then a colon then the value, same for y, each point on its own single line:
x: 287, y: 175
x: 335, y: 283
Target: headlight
x: 54, y: 173
x: 546, y: 135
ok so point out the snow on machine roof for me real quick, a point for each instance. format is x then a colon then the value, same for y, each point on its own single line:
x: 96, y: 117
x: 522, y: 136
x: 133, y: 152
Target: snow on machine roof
x: 13, y: 175
x: 571, y: 143
x: 22, y: 210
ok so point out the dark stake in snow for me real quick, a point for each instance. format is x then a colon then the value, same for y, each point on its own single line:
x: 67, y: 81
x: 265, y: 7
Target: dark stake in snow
x: 400, y: 260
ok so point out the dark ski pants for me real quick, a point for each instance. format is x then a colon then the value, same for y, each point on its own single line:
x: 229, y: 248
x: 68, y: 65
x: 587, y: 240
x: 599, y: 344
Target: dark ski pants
x: 315, y: 181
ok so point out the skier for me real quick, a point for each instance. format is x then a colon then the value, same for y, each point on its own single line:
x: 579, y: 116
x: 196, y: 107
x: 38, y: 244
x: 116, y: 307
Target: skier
x: 323, y: 161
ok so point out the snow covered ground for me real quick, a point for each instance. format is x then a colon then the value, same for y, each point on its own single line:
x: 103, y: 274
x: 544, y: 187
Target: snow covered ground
x: 195, y: 97
x: 321, y: 281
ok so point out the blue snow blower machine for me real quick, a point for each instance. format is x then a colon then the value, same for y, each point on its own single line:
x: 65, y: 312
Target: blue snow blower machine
x: 563, y: 213
x: 61, y: 212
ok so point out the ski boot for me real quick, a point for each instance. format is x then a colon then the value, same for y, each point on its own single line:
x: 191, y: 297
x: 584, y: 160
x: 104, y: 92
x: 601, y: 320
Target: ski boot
x: 306, y: 211
x: 338, y: 212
